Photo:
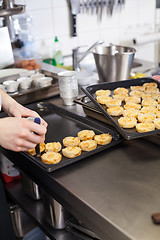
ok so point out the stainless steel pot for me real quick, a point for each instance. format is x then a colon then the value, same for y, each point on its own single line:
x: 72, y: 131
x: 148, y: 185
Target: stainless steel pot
x: 113, y: 62
x: 55, y: 214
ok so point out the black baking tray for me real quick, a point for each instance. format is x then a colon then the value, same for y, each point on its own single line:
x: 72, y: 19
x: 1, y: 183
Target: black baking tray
x: 62, y: 123
x: 126, y: 133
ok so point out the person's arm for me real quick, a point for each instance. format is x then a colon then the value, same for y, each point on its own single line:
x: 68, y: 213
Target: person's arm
x: 16, y: 132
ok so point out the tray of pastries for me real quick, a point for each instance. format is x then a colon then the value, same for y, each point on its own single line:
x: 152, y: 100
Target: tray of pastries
x: 70, y: 138
x: 132, y: 106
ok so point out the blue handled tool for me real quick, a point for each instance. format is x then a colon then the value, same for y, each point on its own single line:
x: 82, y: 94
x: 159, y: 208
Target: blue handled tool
x: 37, y: 148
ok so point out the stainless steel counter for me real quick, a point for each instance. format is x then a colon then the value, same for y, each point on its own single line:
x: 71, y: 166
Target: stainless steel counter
x: 113, y: 192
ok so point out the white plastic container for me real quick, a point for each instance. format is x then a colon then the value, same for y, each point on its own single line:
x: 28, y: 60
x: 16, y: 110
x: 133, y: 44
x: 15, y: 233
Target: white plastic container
x: 11, y: 85
x: 25, y: 82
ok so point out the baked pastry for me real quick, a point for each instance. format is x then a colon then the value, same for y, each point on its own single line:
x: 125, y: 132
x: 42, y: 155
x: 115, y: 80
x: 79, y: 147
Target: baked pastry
x: 127, y: 122
x: 113, y: 103
x: 148, y: 109
x: 131, y: 113
x: 71, y: 152
x: 151, y: 84
x: 102, y: 92
x: 86, y: 135
x: 88, y: 145
x: 158, y: 114
x: 121, y: 90
x: 149, y: 102
x: 120, y: 96
x: 136, y: 93
x: 51, y: 157
x: 145, y: 127
x: 133, y: 99
x: 137, y: 88
x: 146, y: 117
x: 115, y: 111
x: 157, y: 123
x: 130, y: 105
x: 53, y: 147
x: 103, y: 99
x: 71, y: 141
x: 103, y: 139
x: 33, y: 151
x: 151, y: 90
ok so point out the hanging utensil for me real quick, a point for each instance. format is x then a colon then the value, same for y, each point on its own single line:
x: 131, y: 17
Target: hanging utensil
x: 111, y: 6
x: 75, y: 9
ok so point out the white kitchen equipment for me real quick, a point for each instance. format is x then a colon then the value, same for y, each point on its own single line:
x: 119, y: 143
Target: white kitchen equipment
x: 6, y: 54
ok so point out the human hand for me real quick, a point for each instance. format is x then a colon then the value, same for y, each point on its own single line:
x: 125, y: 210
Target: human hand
x: 16, y: 133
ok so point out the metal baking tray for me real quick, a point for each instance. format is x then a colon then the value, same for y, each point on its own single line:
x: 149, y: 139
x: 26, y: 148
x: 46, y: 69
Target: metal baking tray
x: 34, y: 93
x: 62, y: 123
x: 126, y: 133
x: 91, y: 110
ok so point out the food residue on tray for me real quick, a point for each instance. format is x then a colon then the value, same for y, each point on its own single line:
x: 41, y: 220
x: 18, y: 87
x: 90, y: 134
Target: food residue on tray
x: 138, y: 106
x: 86, y: 140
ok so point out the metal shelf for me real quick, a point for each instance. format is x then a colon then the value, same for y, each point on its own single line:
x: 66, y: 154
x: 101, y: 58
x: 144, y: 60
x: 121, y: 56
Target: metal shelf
x: 34, y: 209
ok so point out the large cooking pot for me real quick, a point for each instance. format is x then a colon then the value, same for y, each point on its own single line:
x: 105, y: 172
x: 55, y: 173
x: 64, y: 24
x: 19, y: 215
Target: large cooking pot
x: 113, y: 62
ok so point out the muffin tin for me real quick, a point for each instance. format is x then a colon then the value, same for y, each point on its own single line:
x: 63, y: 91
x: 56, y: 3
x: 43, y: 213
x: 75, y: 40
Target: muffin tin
x: 126, y: 133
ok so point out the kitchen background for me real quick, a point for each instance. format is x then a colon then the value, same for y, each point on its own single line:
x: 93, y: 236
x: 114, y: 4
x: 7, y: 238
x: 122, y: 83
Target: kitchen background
x: 133, y: 19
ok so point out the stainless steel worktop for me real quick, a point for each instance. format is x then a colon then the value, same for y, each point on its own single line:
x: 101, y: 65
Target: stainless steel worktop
x: 113, y: 192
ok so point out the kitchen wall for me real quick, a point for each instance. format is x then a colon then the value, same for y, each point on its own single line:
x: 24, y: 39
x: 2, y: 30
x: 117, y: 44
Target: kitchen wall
x: 52, y: 18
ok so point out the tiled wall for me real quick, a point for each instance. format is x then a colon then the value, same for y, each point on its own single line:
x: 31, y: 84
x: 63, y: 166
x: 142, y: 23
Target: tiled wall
x: 52, y: 17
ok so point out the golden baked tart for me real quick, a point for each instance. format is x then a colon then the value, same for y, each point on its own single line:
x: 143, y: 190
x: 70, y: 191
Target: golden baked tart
x: 127, y: 122
x: 149, y: 102
x: 131, y: 113
x: 33, y: 151
x: 121, y: 90
x: 151, y: 84
x: 103, y: 139
x: 151, y: 90
x: 103, y: 99
x: 102, y: 92
x: 146, y: 117
x: 158, y: 114
x: 71, y: 152
x: 145, y: 127
x: 115, y: 111
x: 157, y: 123
x: 136, y: 93
x: 132, y: 105
x: 53, y: 146
x: 148, y: 109
x: 71, y: 141
x: 120, y: 96
x: 51, y: 157
x: 133, y: 99
x: 113, y: 103
x: 88, y: 145
x: 137, y: 88
x: 86, y: 135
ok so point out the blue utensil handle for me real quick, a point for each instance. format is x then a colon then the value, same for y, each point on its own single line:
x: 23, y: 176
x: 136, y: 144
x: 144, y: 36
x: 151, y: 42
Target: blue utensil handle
x: 37, y: 120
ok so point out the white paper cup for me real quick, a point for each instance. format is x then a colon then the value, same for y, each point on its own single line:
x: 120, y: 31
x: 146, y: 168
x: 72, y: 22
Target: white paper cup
x: 11, y: 85
x: 25, y: 82
x: 44, y: 81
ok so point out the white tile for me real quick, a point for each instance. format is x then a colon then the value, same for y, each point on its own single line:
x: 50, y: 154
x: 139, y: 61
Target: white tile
x: 59, y: 3
x: 42, y: 23
x: 110, y: 36
x: 61, y: 21
x: 146, y: 11
x: 129, y: 15
x: 37, y: 4
x: 87, y: 23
